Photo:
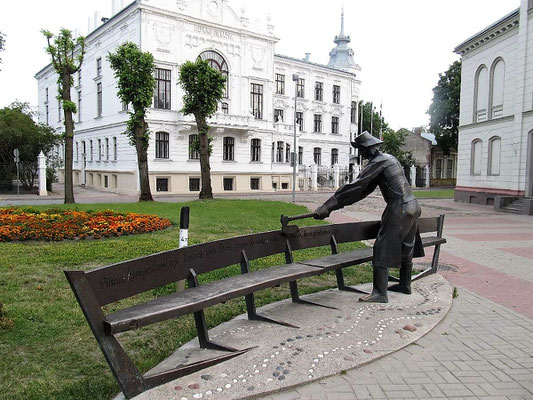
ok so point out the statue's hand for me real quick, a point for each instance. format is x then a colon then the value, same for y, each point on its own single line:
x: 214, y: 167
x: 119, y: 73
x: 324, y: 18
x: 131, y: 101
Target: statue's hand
x: 321, y: 212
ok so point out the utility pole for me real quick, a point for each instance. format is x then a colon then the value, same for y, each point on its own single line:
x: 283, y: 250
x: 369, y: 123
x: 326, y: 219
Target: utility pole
x: 295, y: 79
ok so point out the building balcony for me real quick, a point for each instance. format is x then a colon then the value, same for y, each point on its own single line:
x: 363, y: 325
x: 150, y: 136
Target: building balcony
x: 222, y: 122
x: 232, y: 120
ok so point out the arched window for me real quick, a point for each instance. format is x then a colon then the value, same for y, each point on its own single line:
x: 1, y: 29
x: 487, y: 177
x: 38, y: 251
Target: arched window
x: 497, y: 85
x: 481, y: 94
x: 475, y: 164
x: 161, y: 145
x: 225, y: 107
x: 228, y: 151
x: 494, y: 155
x: 218, y: 62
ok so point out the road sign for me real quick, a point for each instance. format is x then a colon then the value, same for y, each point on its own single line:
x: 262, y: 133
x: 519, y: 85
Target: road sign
x: 16, y: 155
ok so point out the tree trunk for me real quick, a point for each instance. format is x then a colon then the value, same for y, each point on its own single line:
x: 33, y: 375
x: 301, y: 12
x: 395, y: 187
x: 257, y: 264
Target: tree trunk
x: 142, y: 162
x: 69, y: 139
x: 205, y: 168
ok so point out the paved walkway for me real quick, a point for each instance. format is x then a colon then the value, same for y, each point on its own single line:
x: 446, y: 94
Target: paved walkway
x: 483, y: 349
x: 480, y: 350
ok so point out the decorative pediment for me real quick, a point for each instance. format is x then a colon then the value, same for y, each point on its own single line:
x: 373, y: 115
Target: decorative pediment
x: 319, y: 109
x: 300, y: 105
x: 337, y: 111
x: 280, y: 103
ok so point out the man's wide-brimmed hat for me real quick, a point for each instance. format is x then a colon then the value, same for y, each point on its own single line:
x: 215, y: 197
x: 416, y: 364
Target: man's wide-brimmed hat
x: 365, y: 139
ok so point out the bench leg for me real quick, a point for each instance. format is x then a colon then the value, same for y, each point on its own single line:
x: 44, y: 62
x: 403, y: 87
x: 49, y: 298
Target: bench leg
x: 203, y: 335
x: 434, y: 265
x: 252, y: 313
x: 129, y: 378
x: 175, y: 373
x: 341, y: 285
x: 250, y: 298
x: 296, y: 297
x: 201, y: 326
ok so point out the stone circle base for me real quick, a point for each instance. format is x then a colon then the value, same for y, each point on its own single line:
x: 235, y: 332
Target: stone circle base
x: 326, y: 343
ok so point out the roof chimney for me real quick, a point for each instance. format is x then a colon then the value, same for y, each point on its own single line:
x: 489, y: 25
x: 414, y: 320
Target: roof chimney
x: 307, y: 55
x: 96, y: 19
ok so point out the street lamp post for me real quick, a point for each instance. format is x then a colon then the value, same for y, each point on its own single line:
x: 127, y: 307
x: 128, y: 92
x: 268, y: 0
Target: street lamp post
x: 295, y: 78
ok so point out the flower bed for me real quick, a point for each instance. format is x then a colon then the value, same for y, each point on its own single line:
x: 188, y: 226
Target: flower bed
x: 54, y: 224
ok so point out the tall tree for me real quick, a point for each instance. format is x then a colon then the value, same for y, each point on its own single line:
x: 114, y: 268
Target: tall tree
x: 2, y: 44
x: 444, y: 108
x: 134, y: 71
x: 394, y: 144
x: 204, y: 87
x: 18, y: 130
x: 371, y: 119
x: 67, y: 56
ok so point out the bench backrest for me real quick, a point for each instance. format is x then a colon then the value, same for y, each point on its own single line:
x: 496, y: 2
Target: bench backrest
x: 125, y: 279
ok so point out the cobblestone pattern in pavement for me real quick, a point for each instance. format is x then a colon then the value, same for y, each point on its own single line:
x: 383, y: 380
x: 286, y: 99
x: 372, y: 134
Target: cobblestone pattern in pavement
x: 481, y: 350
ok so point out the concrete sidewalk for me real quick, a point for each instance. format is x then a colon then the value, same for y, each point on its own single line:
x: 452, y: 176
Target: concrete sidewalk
x: 483, y: 349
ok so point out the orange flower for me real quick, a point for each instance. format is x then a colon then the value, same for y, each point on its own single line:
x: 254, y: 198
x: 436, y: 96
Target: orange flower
x: 54, y: 224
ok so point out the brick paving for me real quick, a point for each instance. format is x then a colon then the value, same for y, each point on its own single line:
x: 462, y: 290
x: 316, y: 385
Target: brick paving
x: 480, y: 350
x: 483, y: 349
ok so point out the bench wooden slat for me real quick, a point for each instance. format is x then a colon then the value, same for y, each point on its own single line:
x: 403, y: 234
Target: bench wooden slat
x: 432, y: 241
x: 125, y: 279
x: 314, y: 236
x: 342, y: 260
x: 428, y: 224
x: 201, y: 297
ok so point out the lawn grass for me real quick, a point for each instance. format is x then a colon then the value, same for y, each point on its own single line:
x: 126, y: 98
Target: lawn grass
x: 49, y: 351
x: 434, y: 194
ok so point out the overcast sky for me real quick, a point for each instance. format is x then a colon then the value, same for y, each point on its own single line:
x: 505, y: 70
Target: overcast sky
x: 401, y: 46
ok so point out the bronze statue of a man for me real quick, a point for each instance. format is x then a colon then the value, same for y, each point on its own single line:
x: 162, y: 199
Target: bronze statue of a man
x: 398, y: 239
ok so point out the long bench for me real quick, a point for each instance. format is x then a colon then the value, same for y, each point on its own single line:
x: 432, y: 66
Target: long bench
x: 98, y: 287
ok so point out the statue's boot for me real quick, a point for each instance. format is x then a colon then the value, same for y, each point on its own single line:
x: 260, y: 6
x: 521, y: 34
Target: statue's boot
x: 379, y: 287
x: 404, y: 286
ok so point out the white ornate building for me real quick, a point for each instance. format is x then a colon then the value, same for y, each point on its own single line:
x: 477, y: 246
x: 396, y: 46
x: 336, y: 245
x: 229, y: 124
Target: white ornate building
x: 495, y: 152
x: 253, y: 129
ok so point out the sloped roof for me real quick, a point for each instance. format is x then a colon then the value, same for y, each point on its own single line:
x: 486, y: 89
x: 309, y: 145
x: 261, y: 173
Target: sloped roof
x: 430, y: 137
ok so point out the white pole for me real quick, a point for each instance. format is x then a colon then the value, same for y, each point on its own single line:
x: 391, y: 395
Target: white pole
x: 184, y: 239
x: 41, y: 170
